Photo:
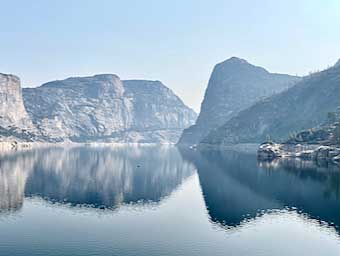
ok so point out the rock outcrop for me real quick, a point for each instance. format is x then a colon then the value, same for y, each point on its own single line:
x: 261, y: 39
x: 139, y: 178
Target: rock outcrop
x: 269, y: 151
x: 103, y: 108
x: 15, y: 123
x: 234, y: 85
x: 302, y: 106
x: 158, y: 114
x: 12, y: 109
x: 320, y: 154
x: 320, y: 144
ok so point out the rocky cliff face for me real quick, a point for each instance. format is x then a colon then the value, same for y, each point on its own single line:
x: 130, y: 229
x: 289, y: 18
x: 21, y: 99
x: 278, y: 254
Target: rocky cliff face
x: 157, y: 109
x: 15, y: 123
x: 234, y: 85
x: 303, y: 106
x: 103, y: 108
x: 12, y: 109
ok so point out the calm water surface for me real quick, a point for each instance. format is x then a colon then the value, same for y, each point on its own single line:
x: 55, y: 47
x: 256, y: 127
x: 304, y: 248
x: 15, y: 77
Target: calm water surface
x: 150, y: 200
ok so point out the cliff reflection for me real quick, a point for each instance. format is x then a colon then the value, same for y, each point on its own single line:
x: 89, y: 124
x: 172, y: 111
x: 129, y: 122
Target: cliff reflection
x: 98, y: 176
x: 14, y: 169
x: 235, y: 187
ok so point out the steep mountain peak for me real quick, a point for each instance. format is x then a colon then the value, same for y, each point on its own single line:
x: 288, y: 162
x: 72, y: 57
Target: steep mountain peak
x: 235, y: 60
x: 234, y: 85
x: 303, y: 106
x: 235, y: 65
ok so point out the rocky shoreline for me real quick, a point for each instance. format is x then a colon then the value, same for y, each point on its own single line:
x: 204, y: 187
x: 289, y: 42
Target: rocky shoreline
x: 14, y: 145
x: 8, y: 146
x: 316, y: 152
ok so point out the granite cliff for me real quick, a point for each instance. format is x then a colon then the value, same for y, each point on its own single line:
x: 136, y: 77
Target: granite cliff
x: 303, y: 106
x: 15, y: 123
x: 12, y: 109
x: 234, y: 85
x: 103, y: 108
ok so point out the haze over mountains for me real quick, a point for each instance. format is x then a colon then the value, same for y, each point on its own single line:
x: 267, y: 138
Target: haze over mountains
x: 234, y: 85
x: 303, y: 106
x: 104, y: 108
x: 243, y: 103
x: 101, y: 108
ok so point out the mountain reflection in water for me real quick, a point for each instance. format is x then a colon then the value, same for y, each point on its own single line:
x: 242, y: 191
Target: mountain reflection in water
x: 103, y: 177
x: 160, y: 200
x: 237, y: 188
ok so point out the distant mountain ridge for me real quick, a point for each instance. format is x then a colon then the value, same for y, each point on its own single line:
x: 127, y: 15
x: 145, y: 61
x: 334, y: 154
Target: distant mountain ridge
x: 302, y: 106
x: 103, y: 108
x: 234, y: 85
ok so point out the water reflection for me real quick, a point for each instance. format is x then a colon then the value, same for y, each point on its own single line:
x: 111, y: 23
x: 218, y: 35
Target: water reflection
x: 103, y: 177
x: 14, y: 169
x: 236, y: 188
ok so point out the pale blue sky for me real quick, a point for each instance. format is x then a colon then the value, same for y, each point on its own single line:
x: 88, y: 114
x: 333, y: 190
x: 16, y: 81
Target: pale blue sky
x: 177, y: 42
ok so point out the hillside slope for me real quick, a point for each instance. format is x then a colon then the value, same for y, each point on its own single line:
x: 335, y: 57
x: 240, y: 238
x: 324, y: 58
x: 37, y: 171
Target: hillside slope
x: 303, y: 106
x: 234, y: 85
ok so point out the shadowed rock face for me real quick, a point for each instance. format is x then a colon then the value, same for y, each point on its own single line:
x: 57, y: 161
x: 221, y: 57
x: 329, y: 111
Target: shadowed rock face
x: 303, y: 106
x: 103, y: 108
x: 234, y: 85
x: 12, y: 109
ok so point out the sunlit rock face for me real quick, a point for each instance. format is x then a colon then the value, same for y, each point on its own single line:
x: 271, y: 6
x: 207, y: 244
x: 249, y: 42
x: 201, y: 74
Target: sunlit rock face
x: 12, y: 109
x: 158, y: 114
x: 78, y: 108
x: 234, y: 85
x: 103, y: 108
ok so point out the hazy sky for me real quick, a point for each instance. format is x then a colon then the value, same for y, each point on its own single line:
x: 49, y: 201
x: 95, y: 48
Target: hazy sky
x: 175, y: 41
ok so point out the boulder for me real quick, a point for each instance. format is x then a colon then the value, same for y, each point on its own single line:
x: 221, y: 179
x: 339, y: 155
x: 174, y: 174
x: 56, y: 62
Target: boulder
x: 269, y: 151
